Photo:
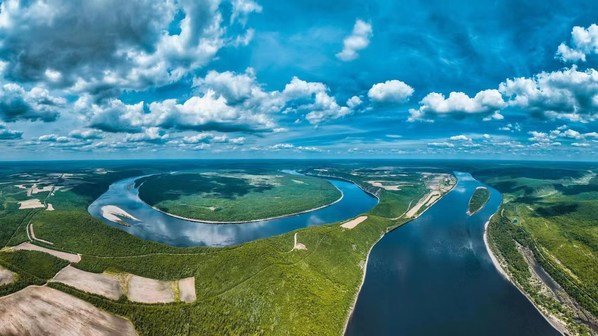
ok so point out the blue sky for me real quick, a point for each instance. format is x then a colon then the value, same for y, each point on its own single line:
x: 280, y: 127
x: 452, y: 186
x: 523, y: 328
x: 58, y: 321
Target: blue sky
x: 294, y: 79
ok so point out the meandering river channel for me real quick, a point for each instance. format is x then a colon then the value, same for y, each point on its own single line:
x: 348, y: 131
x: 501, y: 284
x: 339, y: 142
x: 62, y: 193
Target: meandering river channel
x: 157, y: 226
x: 432, y: 276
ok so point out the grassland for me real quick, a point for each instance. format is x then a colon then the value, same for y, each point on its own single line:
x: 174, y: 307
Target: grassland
x: 478, y: 199
x: 261, y: 287
x: 235, y: 197
x: 549, y: 219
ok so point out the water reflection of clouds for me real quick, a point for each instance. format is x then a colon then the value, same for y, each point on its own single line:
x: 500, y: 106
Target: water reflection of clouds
x: 314, y: 220
x: 460, y: 189
x: 158, y: 226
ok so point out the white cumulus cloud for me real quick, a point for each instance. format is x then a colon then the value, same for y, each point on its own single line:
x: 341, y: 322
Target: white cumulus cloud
x: 458, y: 105
x: 394, y: 91
x: 584, y: 41
x: 565, y: 94
x: 358, y: 40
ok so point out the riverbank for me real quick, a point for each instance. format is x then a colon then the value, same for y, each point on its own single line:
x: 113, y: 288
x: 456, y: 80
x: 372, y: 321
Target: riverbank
x: 223, y: 198
x: 555, y: 322
x: 390, y: 229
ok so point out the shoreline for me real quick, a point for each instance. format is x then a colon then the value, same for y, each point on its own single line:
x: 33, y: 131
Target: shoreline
x: 367, y: 258
x: 555, y: 322
x: 261, y: 219
x: 330, y: 177
x: 365, y: 269
x: 469, y: 213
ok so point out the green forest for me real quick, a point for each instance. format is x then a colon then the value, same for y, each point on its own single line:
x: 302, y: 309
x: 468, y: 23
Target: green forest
x: 260, y: 287
x: 235, y: 197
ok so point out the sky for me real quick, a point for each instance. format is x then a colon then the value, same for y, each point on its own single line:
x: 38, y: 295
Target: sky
x: 113, y: 79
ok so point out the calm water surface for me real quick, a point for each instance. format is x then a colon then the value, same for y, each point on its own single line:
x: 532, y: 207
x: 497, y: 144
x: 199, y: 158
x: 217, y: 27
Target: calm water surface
x: 156, y: 226
x: 433, y: 276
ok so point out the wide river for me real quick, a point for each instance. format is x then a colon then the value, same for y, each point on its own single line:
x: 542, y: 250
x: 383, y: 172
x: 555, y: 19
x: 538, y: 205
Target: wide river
x: 433, y: 276
x: 157, y: 226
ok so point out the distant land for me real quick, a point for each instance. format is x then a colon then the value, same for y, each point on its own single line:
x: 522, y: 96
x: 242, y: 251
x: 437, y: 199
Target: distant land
x: 304, y: 272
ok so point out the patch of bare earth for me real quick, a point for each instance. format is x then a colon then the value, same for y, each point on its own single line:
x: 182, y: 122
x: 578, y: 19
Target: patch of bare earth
x: 47, y: 311
x: 427, y: 200
x: 187, y: 289
x: 146, y: 290
x: 297, y: 245
x: 31, y: 204
x: 95, y: 283
x: 70, y: 257
x: 7, y: 277
x: 354, y: 222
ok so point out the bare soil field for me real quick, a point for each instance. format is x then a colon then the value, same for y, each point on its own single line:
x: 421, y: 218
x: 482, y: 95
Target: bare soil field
x: 387, y: 185
x: 354, y: 222
x: 7, y: 277
x: 70, y: 257
x: 146, y: 290
x: 31, y: 204
x: 187, y: 289
x: 138, y: 289
x: 46, y: 311
x: 95, y: 283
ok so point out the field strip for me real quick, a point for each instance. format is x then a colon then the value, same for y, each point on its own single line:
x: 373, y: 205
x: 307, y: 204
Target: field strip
x: 136, y: 288
x: 38, y: 310
x: 423, y: 201
x: 354, y: 222
x: 94, y: 283
x: 146, y: 290
x: 70, y: 257
x: 187, y: 289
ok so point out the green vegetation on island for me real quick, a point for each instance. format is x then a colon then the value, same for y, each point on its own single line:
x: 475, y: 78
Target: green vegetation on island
x: 478, y: 199
x: 235, y: 197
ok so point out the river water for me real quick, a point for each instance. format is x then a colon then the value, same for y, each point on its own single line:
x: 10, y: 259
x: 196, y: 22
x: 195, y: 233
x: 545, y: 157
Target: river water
x: 157, y: 226
x: 433, y: 276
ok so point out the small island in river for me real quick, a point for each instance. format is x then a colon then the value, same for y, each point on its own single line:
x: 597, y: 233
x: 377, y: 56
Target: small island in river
x: 478, y: 199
